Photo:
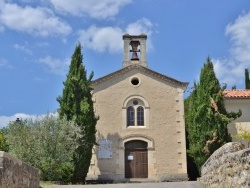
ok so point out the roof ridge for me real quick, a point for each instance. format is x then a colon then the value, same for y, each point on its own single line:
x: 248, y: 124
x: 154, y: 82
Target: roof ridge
x: 237, y: 93
x: 142, y: 68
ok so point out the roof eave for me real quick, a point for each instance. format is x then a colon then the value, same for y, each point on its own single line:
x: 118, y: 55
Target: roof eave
x: 128, y: 68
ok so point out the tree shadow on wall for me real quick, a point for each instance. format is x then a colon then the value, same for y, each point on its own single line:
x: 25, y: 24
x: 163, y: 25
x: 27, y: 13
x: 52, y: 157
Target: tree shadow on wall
x: 106, y: 163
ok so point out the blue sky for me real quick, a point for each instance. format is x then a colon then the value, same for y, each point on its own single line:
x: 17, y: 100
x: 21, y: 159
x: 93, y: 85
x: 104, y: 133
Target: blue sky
x: 38, y: 37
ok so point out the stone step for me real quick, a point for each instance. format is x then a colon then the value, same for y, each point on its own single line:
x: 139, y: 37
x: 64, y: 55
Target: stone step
x: 186, y: 184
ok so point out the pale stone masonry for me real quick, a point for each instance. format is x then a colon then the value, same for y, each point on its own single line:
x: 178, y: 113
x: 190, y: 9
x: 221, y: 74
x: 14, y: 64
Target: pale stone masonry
x: 16, y: 174
x: 141, y: 130
x: 227, y: 167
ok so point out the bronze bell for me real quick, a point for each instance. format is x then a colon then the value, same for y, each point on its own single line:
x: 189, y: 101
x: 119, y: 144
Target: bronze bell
x: 134, y: 45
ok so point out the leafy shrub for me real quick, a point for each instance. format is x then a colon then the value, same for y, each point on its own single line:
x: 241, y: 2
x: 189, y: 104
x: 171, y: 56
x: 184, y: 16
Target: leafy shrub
x: 47, y: 144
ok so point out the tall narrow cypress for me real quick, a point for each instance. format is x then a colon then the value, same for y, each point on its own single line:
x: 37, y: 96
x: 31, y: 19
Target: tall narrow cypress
x: 76, y: 103
x: 247, y: 81
x: 206, y: 116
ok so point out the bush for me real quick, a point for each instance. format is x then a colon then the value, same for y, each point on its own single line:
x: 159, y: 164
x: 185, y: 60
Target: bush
x: 47, y: 144
x: 3, y: 144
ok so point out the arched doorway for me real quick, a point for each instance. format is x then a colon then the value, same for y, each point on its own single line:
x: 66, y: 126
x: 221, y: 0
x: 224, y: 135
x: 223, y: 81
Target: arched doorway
x: 136, y: 159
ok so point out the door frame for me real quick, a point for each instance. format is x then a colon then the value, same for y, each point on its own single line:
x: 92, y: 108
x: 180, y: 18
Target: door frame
x: 136, y: 160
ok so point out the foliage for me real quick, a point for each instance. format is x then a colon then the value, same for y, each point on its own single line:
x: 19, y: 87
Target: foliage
x: 47, y: 144
x: 243, y: 133
x: 206, y: 117
x: 76, y: 101
x: 3, y: 144
x: 247, y: 81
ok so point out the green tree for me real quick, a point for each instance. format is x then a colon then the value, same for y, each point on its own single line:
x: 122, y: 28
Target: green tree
x: 247, y: 81
x: 76, y: 101
x: 47, y: 144
x: 206, y: 117
x: 3, y: 144
x: 20, y: 140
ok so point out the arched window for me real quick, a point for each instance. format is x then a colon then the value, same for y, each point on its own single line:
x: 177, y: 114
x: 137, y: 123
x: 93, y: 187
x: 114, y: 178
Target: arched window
x: 140, y: 116
x: 130, y: 116
x: 135, y: 113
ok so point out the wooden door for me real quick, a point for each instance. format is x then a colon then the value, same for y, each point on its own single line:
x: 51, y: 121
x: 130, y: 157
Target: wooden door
x: 136, y: 163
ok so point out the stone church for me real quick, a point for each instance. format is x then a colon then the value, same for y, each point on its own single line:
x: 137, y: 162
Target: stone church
x: 141, y: 128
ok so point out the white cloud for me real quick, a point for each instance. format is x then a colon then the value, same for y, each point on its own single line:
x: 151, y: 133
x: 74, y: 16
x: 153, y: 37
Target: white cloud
x: 239, y: 32
x: 5, y: 120
x: 56, y: 66
x: 23, y: 48
x: 4, y: 63
x: 109, y: 39
x: 101, y: 39
x: 37, y: 21
x: 140, y: 26
x: 231, y: 70
x: 94, y: 8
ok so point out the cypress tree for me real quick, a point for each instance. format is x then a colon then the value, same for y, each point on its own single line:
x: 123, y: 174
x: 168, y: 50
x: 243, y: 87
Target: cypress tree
x: 247, y: 81
x: 76, y: 103
x: 206, y: 117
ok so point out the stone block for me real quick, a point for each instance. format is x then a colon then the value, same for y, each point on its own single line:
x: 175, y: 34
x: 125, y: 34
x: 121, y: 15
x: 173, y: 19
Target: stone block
x: 16, y: 174
x: 227, y: 167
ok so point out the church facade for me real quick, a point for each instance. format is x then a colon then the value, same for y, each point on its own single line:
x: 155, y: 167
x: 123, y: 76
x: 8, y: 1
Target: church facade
x: 141, y: 128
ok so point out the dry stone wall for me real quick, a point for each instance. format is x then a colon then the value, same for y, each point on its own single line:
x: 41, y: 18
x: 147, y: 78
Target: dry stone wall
x: 229, y: 166
x: 16, y: 174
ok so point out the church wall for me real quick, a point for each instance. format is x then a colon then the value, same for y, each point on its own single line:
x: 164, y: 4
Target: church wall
x: 164, y: 132
x: 233, y: 105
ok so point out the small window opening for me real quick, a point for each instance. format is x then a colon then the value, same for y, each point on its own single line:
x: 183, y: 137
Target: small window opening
x: 135, y: 102
x: 135, y: 81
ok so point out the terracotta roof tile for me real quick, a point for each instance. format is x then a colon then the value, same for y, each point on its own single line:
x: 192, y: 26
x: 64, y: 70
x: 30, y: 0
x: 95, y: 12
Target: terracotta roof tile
x: 237, y: 93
